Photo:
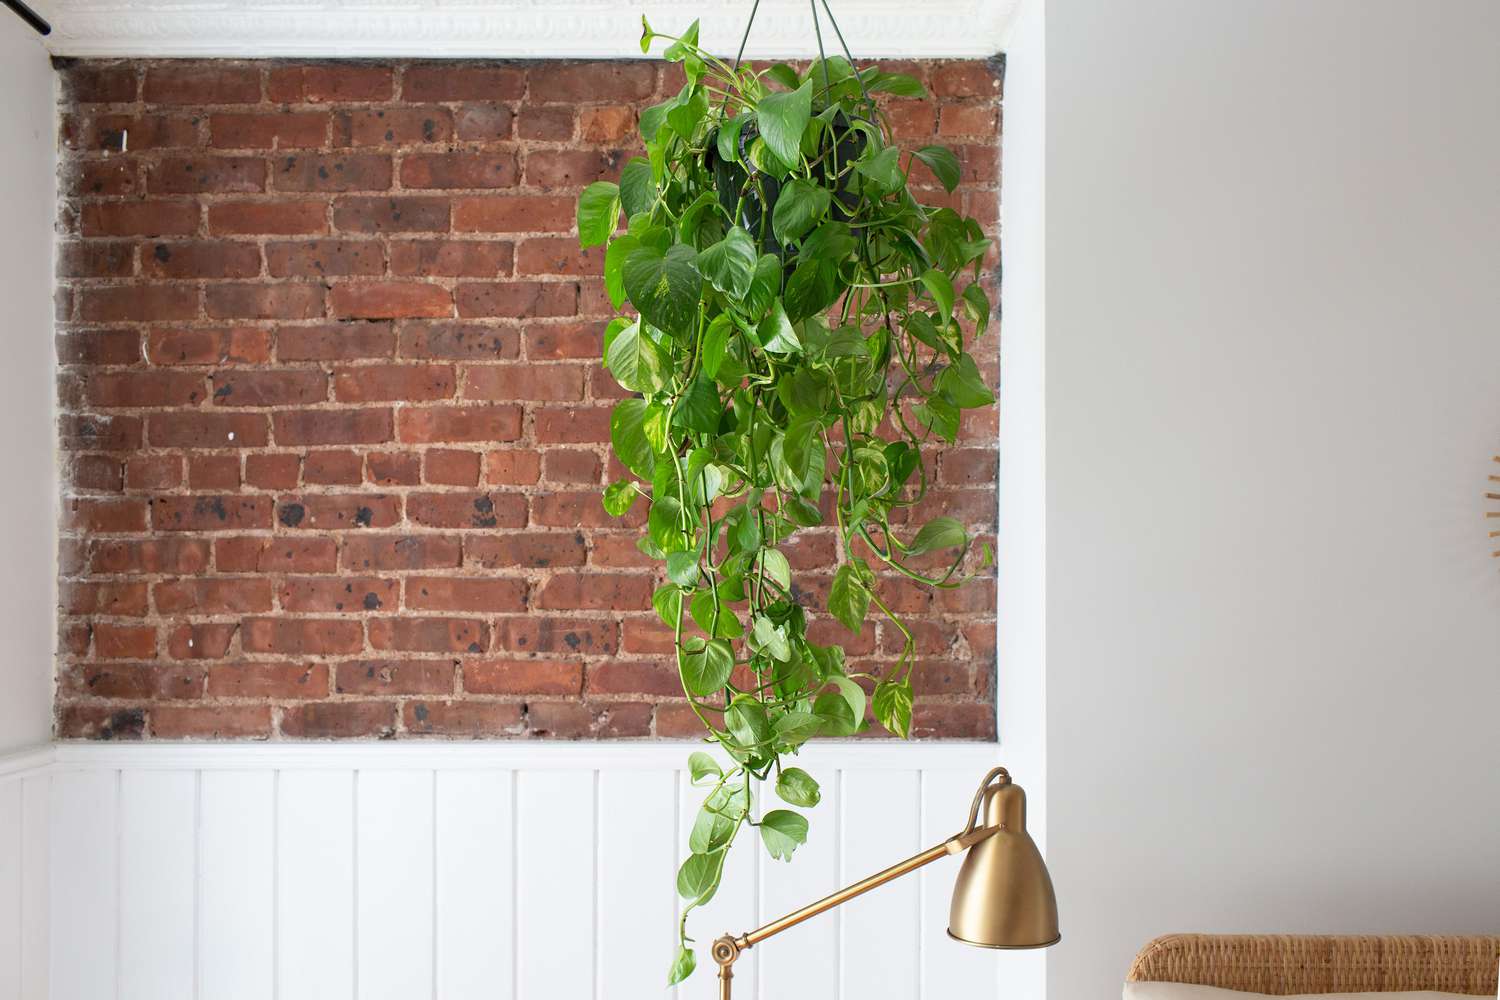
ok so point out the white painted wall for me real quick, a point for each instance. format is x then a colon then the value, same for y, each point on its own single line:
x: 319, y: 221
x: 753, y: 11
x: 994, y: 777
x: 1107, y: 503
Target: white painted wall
x: 1272, y: 394
x: 28, y: 502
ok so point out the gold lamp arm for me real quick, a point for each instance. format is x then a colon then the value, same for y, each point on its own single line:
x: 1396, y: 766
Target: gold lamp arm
x: 727, y: 949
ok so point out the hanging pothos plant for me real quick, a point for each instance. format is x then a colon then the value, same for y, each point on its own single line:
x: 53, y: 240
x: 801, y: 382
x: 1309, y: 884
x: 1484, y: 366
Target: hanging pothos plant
x: 797, y: 343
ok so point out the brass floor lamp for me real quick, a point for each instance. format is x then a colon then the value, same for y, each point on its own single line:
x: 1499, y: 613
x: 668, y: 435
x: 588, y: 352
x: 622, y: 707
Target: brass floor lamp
x: 1003, y: 897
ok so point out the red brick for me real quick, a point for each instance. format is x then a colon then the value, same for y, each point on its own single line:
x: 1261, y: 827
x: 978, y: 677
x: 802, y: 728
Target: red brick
x: 443, y: 593
x: 451, y: 468
x: 339, y: 719
x: 133, y: 682
x: 967, y: 78
x: 104, y: 516
x: 969, y: 120
x: 677, y: 721
x: 512, y: 466
x: 154, y: 472
x: 320, y: 258
x: 270, y: 218
x: 558, y: 341
x: 217, y: 722
x: 597, y: 592
x: 259, y: 554
x: 118, y: 599
x: 207, y: 175
x: 531, y: 550
x: 200, y: 259
x: 451, y: 258
x: 473, y: 719
x: 391, y: 300
x: 244, y: 344
x: 214, y: 472
x: 459, y: 170
x: 561, y: 255
x: 572, y: 424
x: 396, y: 677
x: 138, y: 303
x: 204, y: 82
x: 571, y: 465
x: 124, y: 642
x: 206, y: 430
x: 395, y: 468
x: 95, y: 431
x: 251, y: 301
x: 553, y: 634
x: 335, y: 511
x: 467, y: 510
x: 915, y: 119
x: 608, y: 124
x: 294, y: 427
x: 520, y: 213
x: 458, y: 341
x: 212, y: 596
x: 953, y: 721
x: 156, y: 555
x: 592, y: 82
x: 210, y: 513
x: 430, y: 635
x: 248, y: 387
x: 91, y: 83
x: 365, y: 553
x: 580, y: 509
x: 95, y: 722
x: 103, y: 177
x: 571, y: 169
x: 269, y: 130
x: 402, y: 383
x: 491, y: 123
x: 619, y: 552
x: 573, y: 720
x: 339, y: 593
x: 272, y: 472
x: 330, y: 83
x: 335, y: 342
x: 203, y: 641
x: 333, y: 468
x: 391, y: 215
x: 99, y: 347
x: 651, y: 677
x: 274, y: 681
x: 447, y: 81
x: 460, y: 423
x: 302, y: 636
x: 523, y: 677
x: 332, y: 172
x: 516, y: 298
x: 95, y: 259
x: 105, y: 474
x: 392, y: 126
x: 107, y: 389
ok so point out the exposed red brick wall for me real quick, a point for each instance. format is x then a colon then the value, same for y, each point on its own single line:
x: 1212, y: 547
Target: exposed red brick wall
x: 333, y: 423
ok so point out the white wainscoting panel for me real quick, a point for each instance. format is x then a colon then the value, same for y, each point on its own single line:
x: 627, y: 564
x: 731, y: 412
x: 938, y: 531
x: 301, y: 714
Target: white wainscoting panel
x: 25, y: 825
x: 462, y: 872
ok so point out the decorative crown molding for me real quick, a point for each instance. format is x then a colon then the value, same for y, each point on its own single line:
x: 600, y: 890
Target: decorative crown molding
x: 513, y: 29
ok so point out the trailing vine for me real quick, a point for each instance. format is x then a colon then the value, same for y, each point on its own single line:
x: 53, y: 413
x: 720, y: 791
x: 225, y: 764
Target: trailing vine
x: 797, y: 341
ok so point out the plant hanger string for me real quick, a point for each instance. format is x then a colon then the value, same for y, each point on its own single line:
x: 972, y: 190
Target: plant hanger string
x: 739, y: 55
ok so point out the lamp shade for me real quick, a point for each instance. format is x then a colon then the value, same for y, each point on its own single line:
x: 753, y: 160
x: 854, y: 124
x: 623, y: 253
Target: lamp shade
x: 1003, y: 897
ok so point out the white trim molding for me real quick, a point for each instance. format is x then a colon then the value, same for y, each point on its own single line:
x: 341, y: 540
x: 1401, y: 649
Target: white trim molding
x: 512, y: 29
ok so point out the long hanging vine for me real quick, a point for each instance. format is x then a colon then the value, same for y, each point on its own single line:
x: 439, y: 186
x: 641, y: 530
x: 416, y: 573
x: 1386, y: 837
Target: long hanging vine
x: 796, y: 344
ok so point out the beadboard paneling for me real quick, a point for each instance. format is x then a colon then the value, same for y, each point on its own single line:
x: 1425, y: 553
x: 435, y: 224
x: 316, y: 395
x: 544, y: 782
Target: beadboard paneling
x: 526, y: 872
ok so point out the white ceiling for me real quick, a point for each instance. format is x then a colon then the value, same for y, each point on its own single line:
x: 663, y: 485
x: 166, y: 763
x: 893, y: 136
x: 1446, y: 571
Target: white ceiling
x: 510, y: 28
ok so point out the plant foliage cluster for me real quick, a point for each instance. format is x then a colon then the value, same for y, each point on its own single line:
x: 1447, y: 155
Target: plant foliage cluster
x: 796, y: 342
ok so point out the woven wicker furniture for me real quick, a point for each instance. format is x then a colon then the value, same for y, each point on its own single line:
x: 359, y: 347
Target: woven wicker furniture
x: 1283, y: 964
